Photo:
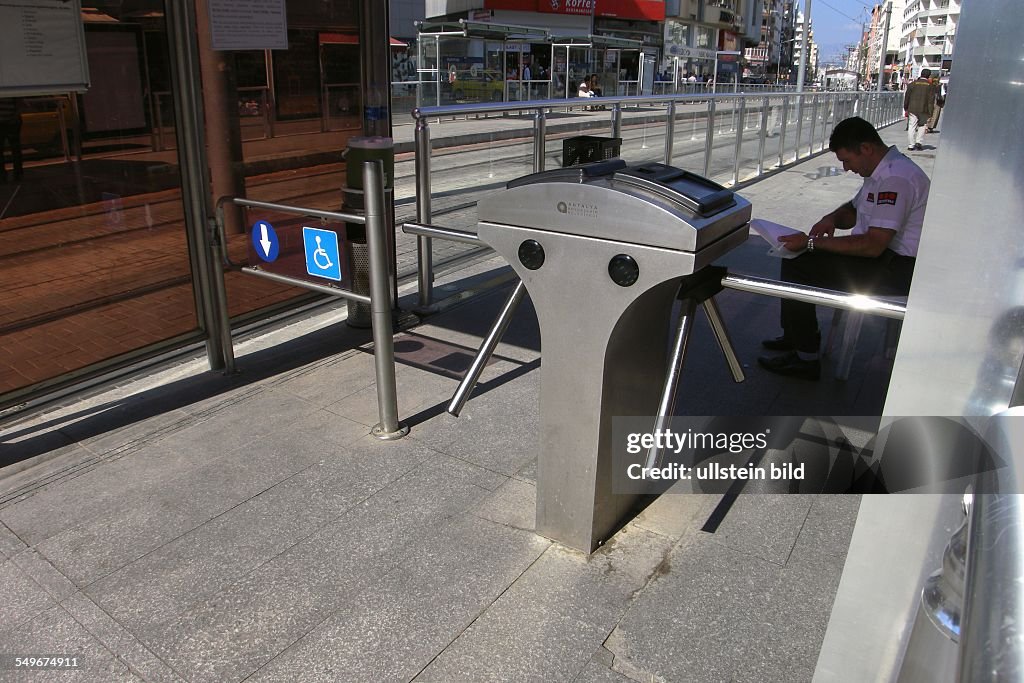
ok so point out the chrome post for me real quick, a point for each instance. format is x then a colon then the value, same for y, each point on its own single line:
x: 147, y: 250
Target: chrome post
x: 741, y: 119
x: 814, y: 124
x: 782, y: 131
x: 380, y: 305
x: 617, y: 120
x: 424, y: 252
x: 539, y: 128
x: 670, y: 130
x: 826, y: 104
x: 486, y: 350
x: 799, y: 124
x: 764, y: 136
x: 710, y: 139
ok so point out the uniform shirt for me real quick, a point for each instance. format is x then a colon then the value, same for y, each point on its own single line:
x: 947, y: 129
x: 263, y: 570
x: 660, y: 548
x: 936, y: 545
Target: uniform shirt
x: 893, y: 197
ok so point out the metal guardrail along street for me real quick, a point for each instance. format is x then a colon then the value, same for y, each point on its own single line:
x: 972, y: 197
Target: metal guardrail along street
x: 800, y: 123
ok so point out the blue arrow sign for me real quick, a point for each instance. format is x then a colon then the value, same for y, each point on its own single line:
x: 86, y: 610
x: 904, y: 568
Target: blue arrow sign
x: 265, y: 241
x: 322, y: 258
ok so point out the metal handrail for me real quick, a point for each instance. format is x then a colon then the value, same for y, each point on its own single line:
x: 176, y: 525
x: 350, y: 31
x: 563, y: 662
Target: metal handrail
x: 456, y: 110
x: 379, y: 300
x: 880, y: 108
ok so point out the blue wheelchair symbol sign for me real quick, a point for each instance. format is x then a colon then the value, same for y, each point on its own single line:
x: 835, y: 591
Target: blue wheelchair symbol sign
x: 322, y: 258
x: 265, y: 241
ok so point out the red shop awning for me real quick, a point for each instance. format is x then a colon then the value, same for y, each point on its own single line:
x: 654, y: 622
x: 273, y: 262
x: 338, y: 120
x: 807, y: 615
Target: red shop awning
x: 351, y: 39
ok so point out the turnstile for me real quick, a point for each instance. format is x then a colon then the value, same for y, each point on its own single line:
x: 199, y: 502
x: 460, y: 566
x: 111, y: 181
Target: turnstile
x: 603, y: 250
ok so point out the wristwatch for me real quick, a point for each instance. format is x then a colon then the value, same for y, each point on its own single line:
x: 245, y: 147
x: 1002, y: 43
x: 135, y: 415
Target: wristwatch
x: 810, y: 244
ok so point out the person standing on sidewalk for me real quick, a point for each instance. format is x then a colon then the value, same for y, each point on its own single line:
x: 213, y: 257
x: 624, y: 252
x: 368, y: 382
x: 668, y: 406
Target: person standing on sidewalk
x: 940, y: 102
x: 877, y: 257
x: 918, y: 104
x: 10, y: 136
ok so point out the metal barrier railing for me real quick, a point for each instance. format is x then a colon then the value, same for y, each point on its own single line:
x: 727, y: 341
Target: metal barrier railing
x: 803, y: 122
x: 379, y: 299
x: 877, y: 305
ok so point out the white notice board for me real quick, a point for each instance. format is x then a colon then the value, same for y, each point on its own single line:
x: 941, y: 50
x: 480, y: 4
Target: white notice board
x: 248, y: 24
x: 42, y: 47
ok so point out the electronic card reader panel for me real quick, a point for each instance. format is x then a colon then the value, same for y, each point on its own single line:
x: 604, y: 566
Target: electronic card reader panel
x: 651, y: 204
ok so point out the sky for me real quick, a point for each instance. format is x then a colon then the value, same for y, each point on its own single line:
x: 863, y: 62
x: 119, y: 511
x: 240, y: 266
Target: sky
x: 837, y: 23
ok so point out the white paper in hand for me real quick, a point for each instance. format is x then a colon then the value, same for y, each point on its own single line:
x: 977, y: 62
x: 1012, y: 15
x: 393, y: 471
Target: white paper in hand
x: 771, y: 232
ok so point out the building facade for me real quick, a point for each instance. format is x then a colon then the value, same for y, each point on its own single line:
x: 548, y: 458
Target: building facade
x: 928, y: 36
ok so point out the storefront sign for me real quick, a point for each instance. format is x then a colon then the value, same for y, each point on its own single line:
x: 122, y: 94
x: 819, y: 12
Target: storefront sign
x: 692, y: 53
x: 43, y: 47
x: 248, y: 25
x: 652, y: 10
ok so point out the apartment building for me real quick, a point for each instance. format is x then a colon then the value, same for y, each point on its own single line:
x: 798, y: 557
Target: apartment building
x: 798, y: 45
x: 928, y: 36
x: 881, y: 14
x: 763, y: 59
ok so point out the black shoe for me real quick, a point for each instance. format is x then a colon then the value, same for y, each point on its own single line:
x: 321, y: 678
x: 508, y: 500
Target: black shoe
x: 778, y: 344
x: 784, y: 344
x: 792, y: 366
x: 919, y: 147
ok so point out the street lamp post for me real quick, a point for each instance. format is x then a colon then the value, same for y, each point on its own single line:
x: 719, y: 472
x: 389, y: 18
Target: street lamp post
x: 885, y: 46
x: 804, y: 48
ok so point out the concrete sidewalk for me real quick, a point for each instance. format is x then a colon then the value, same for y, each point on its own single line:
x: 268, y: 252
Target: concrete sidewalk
x: 187, y: 526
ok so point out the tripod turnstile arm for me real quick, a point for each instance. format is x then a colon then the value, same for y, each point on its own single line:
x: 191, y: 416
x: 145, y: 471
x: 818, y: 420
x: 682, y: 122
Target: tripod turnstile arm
x: 497, y: 331
x: 724, y: 342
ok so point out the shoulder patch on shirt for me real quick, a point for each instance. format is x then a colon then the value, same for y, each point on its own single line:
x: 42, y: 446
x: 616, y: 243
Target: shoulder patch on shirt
x: 871, y: 197
x: 887, y: 198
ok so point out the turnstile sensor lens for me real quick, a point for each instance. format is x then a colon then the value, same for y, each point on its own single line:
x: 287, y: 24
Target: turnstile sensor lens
x: 531, y: 254
x: 623, y: 270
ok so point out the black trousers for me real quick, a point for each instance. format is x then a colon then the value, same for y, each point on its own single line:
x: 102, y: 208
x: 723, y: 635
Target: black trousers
x: 886, y: 275
x: 10, y: 136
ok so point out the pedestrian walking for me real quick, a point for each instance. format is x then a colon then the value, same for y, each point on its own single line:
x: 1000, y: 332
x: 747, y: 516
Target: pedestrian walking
x: 940, y: 102
x: 918, y: 105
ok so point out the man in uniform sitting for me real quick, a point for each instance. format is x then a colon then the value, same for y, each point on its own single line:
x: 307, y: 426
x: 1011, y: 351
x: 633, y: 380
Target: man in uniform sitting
x: 877, y: 257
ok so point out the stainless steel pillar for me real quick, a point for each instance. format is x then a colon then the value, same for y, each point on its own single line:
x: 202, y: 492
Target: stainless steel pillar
x: 424, y: 249
x: 539, y: 132
x: 380, y: 305
x: 670, y: 131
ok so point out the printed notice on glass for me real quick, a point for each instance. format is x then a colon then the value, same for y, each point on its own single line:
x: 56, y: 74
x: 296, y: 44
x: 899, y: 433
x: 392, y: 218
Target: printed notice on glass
x: 248, y: 24
x: 43, y: 48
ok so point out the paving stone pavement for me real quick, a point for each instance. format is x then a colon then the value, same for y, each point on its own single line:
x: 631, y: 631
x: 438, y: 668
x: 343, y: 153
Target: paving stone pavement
x: 188, y: 526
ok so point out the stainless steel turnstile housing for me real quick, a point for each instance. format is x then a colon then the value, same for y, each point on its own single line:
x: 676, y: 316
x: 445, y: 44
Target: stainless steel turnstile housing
x: 601, y: 249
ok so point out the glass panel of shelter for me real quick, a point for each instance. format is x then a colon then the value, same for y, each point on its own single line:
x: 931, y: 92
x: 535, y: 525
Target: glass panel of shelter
x: 96, y: 255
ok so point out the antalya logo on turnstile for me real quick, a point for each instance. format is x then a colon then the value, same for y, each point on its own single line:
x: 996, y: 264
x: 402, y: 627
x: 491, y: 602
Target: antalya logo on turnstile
x: 322, y: 254
x: 264, y: 240
x: 577, y: 209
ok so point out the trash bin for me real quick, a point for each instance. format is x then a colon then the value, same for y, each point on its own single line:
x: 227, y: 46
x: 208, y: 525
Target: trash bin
x: 360, y: 150
x: 584, y: 149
